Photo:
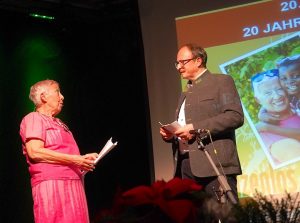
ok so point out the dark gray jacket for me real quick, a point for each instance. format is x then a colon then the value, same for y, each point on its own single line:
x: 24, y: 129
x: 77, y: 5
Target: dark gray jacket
x: 213, y: 103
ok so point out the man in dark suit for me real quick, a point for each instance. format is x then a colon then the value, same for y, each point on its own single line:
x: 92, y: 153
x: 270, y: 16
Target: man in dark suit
x: 211, y: 102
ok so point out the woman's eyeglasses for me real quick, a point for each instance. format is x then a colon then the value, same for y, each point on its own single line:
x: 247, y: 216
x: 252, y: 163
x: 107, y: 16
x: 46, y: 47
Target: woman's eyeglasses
x: 260, y: 76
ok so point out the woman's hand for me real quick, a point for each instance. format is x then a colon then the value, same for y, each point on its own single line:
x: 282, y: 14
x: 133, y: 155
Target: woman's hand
x: 91, y: 156
x: 264, y: 116
x: 85, y: 162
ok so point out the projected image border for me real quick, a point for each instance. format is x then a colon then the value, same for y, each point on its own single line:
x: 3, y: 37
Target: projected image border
x: 245, y: 66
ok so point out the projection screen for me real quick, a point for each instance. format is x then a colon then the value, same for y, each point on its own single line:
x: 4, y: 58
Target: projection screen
x: 243, y: 39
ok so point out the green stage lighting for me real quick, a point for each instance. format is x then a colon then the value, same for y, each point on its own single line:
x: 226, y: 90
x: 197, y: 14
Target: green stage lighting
x: 42, y: 16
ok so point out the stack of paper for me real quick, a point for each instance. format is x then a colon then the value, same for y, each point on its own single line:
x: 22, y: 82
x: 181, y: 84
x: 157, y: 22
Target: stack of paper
x: 108, y: 147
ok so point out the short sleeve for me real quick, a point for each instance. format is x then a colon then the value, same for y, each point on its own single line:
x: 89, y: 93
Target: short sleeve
x: 32, y: 127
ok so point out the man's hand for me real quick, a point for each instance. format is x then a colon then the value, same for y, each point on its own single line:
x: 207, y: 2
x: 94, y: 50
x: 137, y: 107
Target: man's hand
x: 184, y: 132
x: 166, y: 135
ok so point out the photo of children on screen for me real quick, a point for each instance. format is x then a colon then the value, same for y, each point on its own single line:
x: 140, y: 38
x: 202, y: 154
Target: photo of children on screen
x: 277, y: 93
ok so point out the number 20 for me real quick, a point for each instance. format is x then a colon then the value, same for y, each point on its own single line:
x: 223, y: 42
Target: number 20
x: 286, y: 6
x: 250, y: 31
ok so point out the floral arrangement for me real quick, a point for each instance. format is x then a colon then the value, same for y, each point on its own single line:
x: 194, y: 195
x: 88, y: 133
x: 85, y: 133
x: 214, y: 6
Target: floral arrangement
x: 269, y: 210
x: 170, y: 201
x: 183, y: 201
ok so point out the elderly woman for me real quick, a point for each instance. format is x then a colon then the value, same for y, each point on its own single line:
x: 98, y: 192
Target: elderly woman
x: 55, y: 164
x: 282, y: 139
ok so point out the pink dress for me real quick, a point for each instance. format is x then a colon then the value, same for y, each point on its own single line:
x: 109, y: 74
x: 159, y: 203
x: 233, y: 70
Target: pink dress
x: 270, y: 138
x: 291, y: 122
x: 57, y: 190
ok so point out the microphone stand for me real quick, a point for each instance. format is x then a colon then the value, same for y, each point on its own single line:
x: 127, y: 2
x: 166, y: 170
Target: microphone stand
x: 225, y: 190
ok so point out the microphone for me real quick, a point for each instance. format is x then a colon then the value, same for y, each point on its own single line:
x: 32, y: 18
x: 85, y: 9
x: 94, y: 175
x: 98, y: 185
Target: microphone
x: 199, y: 131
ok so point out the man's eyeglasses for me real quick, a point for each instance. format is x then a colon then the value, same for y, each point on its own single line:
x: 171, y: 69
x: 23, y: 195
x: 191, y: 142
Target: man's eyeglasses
x: 260, y: 76
x: 183, y: 62
x: 288, y: 60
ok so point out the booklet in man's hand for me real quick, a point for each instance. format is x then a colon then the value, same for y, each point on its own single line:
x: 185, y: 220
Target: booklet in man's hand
x: 172, y: 127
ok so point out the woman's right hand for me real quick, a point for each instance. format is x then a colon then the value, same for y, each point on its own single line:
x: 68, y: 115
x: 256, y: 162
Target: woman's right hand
x: 85, y: 162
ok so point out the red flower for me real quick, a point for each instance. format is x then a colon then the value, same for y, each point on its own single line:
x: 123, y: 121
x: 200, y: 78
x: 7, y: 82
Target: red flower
x: 165, y: 196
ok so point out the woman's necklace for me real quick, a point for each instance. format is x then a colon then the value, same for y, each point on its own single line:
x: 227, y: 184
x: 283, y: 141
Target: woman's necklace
x: 63, y: 125
x: 57, y: 121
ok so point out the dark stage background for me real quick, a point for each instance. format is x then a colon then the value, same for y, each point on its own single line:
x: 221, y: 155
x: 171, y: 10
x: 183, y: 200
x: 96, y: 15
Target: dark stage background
x: 99, y: 62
